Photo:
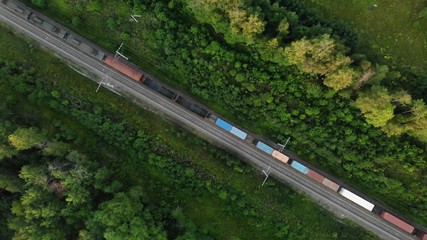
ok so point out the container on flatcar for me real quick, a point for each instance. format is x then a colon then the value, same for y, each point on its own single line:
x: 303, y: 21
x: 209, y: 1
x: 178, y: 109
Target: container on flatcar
x: 315, y: 176
x: 332, y: 185
x: 280, y: 156
x: 264, y: 147
x: 123, y: 68
x: 239, y: 133
x: 299, y: 167
x: 223, y: 124
x: 397, y: 222
x: 356, y: 199
x: 422, y: 235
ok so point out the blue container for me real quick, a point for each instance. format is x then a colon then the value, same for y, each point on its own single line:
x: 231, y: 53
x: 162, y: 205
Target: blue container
x: 264, y: 147
x: 298, y: 166
x: 223, y: 124
x: 239, y: 133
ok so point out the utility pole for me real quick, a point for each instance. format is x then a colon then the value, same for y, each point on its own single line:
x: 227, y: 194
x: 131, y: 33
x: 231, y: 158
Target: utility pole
x: 120, y: 54
x: 266, y: 173
x: 282, y: 147
x: 133, y: 17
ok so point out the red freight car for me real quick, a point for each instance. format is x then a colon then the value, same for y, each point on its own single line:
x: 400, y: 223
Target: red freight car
x: 123, y: 68
x: 315, y: 176
x: 422, y: 235
x: 396, y: 221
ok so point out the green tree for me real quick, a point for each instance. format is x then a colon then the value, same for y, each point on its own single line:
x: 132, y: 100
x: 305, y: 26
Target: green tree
x: 376, y: 106
x: 9, y: 181
x: 423, y: 13
x: 56, y: 149
x: 26, y: 138
x: 76, y: 21
x: 39, y: 3
x: 316, y: 56
x: 402, y: 98
x: 111, y: 23
x: 6, y: 152
x: 34, y: 175
x: 340, y: 79
x: 76, y: 182
x: 37, y: 212
x: 283, y: 28
x: 123, y: 217
x: 252, y: 26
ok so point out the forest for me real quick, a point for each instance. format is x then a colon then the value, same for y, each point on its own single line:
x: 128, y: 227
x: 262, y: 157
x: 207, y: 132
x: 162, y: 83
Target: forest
x: 74, y: 166
x: 280, y: 69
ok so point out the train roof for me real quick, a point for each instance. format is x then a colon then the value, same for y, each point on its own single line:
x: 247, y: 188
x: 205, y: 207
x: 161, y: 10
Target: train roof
x: 397, y: 221
x: 123, y: 68
x: 357, y: 199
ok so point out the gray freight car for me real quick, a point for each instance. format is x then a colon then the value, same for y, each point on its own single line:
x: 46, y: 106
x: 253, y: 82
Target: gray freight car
x: 61, y: 33
x: 80, y: 44
x: 17, y: 8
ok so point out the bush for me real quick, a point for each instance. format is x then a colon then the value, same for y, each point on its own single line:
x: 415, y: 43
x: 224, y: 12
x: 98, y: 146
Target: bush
x: 76, y: 21
x: 39, y: 3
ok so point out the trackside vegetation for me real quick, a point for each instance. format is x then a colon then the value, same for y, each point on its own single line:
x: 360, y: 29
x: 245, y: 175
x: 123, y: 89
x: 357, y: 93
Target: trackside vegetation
x: 281, y: 70
x: 74, y: 166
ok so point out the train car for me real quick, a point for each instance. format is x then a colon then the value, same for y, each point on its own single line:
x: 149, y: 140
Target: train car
x: 299, y: 167
x: 422, y: 235
x: 331, y: 185
x: 238, y: 133
x: 80, y: 44
x: 191, y: 106
x: 230, y: 128
x: 223, y: 124
x: 17, y: 8
x: 397, y: 222
x: 264, y: 147
x: 315, y: 176
x: 280, y: 156
x: 156, y: 86
x: 356, y: 199
x: 59, y: 32
x: 123, y: 68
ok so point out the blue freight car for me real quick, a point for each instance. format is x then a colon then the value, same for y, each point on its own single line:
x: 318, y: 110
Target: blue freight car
x: 264, y: 147
x: 223, y: 124
x: 239, y: 133
x: 298, y: 166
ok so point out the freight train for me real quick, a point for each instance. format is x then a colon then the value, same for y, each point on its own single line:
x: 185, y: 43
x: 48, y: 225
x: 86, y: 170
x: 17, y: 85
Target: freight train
x: 138, y: 75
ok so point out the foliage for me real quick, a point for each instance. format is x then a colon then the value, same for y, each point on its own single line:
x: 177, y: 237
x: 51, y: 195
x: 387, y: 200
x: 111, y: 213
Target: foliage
x: 26, y: 138
x: 39, y: 3
x: 77, y: 191
x: 271, y: 97
x: 123, y: 218
x: 376, y: 106
x: 423, y: 13
x: 76, y: 21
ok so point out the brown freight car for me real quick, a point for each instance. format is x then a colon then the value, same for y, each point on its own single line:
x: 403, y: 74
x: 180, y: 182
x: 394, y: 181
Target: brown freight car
x: 397, y: 222
x: 123, y: 68
x: 315, y: 176
x: 328, y: 183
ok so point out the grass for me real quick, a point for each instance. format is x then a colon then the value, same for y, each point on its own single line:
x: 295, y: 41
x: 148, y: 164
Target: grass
x: 389, y: 27
x: 277, y: 202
